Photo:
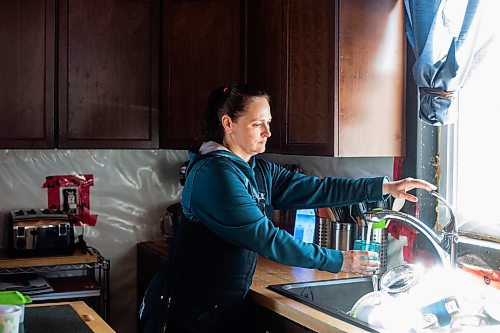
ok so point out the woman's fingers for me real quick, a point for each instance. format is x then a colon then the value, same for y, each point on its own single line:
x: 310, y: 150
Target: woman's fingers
x: 360, y: 262
x: 399, y: 188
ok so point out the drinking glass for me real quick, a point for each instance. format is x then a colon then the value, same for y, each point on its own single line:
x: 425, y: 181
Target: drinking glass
x: 360, y: 244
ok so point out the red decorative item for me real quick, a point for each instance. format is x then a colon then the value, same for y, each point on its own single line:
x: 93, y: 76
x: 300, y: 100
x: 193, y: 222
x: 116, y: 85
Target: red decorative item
x: 397, y: 168
x: 397, y: 229
x: 71, y: 194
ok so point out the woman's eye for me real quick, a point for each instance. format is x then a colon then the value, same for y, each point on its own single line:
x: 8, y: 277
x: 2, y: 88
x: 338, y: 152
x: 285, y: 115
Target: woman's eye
x: 261, y: 124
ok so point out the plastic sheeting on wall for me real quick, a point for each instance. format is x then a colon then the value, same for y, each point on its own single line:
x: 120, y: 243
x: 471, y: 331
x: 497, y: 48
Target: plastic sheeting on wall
x: 131, y: 191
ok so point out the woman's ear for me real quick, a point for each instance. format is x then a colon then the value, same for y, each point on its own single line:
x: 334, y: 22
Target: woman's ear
x: 227, y: 123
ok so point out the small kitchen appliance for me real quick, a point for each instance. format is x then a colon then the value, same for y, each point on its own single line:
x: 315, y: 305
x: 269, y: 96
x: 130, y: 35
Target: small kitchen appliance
x: 36, y: 232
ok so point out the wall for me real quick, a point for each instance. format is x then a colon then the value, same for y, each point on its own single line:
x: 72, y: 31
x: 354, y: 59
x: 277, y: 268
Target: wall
x: 350, y: 167
x: 131, y: 192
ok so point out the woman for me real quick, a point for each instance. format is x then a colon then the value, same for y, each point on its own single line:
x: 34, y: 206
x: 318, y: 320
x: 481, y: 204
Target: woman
x: 227, y: 201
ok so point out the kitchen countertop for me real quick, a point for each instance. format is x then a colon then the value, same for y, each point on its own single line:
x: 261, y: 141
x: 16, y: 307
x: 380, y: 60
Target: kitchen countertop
x: 269, y: 273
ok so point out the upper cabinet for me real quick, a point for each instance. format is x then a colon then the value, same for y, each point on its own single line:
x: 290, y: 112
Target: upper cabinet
x: 370, y: 110
x: 335, y: 72
x: 201, y: 50
x: 91, y: 83
x: 109, y: 73
x: 97, y: 73
x: 27, y: 70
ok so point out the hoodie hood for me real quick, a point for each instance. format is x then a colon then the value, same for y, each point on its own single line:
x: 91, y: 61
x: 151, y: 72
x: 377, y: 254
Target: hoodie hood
x: 214, y: 149
x: 210, y: 146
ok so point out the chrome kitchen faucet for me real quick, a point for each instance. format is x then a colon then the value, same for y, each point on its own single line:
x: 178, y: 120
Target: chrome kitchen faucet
x: 445, y: 242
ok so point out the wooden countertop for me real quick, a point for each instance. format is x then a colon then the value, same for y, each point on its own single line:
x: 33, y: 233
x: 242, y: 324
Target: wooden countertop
x: 269, y: 272
x: 88, y: 315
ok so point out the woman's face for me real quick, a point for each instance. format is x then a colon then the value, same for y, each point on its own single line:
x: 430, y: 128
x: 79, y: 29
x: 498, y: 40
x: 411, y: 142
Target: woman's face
x: 247, y: 136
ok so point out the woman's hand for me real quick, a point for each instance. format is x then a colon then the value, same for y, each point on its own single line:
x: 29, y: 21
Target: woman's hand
x: 358, y: 262
x: 399, y: 188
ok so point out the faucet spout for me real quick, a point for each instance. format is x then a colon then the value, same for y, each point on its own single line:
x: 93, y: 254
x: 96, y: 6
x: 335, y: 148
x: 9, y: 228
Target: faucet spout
x: 445, y: 243
x: 450, y: 231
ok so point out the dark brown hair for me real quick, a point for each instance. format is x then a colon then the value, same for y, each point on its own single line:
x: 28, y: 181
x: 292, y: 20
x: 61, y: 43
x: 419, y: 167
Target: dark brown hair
x: 230, y: 100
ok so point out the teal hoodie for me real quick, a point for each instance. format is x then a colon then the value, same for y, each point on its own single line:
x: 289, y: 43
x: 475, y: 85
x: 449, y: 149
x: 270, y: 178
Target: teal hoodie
x: 220, y: 192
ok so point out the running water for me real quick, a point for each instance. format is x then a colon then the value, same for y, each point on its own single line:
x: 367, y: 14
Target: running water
x: 369, y: 232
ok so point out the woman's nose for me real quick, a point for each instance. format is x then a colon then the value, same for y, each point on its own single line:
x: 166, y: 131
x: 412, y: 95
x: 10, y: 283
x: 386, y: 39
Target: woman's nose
x: 267, y: 131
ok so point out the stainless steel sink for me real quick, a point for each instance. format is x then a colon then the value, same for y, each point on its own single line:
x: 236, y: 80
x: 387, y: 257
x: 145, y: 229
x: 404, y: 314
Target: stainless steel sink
x: 334, y: 297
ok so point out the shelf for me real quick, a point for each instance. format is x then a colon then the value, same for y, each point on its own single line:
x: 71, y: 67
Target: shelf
x: 66, y: 295
x: 77, y: 258
x: 70, y: 287
x: 94, y: 281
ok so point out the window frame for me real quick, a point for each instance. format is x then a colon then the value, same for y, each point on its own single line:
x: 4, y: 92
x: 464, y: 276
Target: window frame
x: 447, y: 150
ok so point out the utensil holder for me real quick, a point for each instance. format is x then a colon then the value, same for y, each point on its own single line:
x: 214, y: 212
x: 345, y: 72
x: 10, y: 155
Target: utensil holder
x: 342, y: 236
x: 333, y: 235
x: 323, y: 232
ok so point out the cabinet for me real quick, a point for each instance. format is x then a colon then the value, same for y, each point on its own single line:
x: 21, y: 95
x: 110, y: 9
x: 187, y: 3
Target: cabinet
x: 201, y: 50
x: 262, y: 320
x: 89, y: 266
x: 335, y: 72
x: 151, y: 256
x: 27, y: 69
x: 80, y: 74
x: 86, y: 74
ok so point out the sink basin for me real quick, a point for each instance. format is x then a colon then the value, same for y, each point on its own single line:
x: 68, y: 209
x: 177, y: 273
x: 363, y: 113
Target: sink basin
x: 334, y: 297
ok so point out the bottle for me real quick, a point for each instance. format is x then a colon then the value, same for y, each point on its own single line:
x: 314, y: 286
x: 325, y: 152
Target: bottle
x: 443, y: 309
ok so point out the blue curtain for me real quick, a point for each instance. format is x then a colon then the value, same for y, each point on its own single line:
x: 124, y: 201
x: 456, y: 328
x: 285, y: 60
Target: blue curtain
x: 448, y: 41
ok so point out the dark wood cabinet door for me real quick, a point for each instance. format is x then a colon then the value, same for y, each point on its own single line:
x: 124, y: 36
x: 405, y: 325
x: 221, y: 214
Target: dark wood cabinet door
x: 151, y: 257
x: 372, y: 45
x: 335, y: 72
x: 109, y: 73
x: 26, y: 69
x: 263, y: 320
x: 201, y: 50
x: 310, y: 84
x: 290, y: 53
x: 265, y: 63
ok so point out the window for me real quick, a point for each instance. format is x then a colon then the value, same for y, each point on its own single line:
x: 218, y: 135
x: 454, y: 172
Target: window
x: 470, y: 149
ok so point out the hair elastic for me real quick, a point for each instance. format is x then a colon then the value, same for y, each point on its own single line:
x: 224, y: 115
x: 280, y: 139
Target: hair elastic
x: 225, y: 89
